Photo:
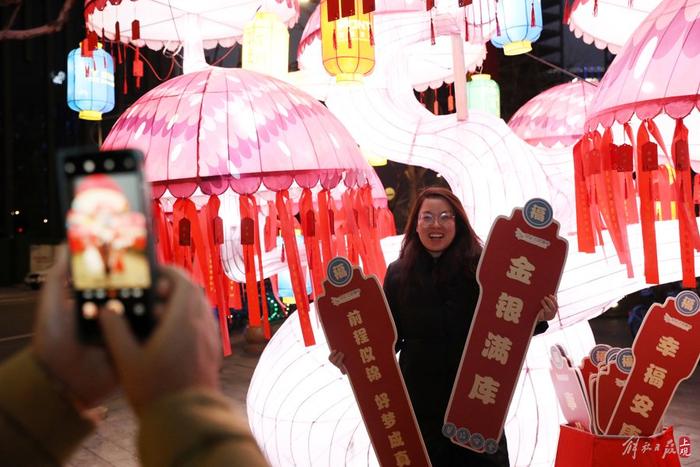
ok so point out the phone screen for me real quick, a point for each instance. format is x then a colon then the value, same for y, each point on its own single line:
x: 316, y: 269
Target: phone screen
x: 108, y: 239
x: 106, y: 229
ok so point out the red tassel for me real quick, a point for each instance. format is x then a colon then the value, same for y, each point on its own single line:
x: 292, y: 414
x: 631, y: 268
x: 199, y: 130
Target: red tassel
x: 335, y: 40
x: 137, y: 69
x: 432, y: 32
x: 466, y: 27
x: 595, y: 7
x: 349, y: 39
x: 567, y: 12
x: 92, y: 40
x: 436, y: 105
x: 371, y: 35
x: 117, y: 32
x: 498, y: 26
x: 450, y: 100
x: 125, y: 87
x: 135, y: 30
x: 532, y: 14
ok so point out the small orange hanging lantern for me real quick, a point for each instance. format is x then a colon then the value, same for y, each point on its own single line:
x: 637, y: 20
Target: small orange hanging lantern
x: 347, y: 39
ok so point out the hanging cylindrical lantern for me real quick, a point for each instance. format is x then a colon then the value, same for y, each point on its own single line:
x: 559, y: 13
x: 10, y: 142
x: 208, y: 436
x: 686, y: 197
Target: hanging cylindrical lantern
x: 266, y: 45
x: 347, y: 44
x: 518, y: 24
x: 90, y: 83
x: 483, y: 94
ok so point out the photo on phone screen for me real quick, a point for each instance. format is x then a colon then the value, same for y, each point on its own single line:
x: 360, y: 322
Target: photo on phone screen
x: 107, y: 233
x: 111, y: 257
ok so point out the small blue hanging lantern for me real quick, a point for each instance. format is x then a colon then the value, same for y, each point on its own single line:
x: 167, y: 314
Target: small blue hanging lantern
x: 518, y: 25
x: 90, y: 83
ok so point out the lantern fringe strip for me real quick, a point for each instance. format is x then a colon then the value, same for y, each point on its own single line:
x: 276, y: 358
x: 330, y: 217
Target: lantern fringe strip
x: 284, y: 208
x: 606, y: 195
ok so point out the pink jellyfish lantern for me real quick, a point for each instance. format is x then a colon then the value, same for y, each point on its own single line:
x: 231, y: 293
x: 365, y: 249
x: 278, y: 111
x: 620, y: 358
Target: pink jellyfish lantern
x: 639, y: 122
x: 607, y: 23
x: 229, y: 151
x: 555, y: 117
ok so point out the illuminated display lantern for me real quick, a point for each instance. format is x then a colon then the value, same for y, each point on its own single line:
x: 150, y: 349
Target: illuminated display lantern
x: 347, y: 44
x: 266, y: 45
x: 484, y: 94
x: 518, y: 25
x: 90, y: 83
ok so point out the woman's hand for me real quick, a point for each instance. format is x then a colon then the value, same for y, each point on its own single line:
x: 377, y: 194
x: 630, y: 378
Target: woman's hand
x: 549, y: 310
x: 337, y: 358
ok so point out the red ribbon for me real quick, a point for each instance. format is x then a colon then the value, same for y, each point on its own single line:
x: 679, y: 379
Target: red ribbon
x: 324, y: 227
x: 687, y: 225
x: 646, y: 151
x: 584, y: 225
x: 248, y: 246
x: 263, y: 290
x: 284, y: 209
x: 311, y: 242
x: 211, y: 215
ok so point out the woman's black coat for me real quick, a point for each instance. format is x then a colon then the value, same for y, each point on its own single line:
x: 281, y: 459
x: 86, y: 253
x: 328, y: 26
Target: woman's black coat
x: 432, y: 320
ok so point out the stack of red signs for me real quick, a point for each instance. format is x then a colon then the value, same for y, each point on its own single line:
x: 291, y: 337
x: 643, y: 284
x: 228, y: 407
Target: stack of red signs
x: 628, y: 390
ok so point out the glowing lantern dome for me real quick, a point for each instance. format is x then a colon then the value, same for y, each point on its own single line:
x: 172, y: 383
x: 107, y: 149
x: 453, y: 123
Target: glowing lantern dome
x: 608, y: 23
x: 347, y: 44
x: 555, y: 117
x: 229, y: 151
x: 187, y: 24
x: 90, y: 83
x: 484, y: 94
x: 519, y: 25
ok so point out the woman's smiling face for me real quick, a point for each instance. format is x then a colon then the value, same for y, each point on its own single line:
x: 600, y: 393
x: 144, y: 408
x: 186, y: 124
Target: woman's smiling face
x: 436, y: 224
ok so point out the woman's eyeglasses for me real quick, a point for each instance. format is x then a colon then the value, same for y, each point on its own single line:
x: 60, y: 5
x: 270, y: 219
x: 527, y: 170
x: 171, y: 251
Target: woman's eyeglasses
x: 427, y: 219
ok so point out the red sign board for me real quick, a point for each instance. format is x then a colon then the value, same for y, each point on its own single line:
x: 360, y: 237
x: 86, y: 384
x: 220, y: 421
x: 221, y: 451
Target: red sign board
x: 522, y: 262
x: 610, y: 380
x: 666, y: 351
x: 567, y: 384
x: 356, y: 321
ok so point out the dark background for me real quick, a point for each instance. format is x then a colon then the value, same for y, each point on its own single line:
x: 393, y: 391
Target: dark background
x: 35, y: 120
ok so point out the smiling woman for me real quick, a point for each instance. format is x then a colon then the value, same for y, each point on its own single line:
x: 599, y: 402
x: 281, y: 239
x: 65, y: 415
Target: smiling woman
x: 432, y: 292
x: 436, y: 236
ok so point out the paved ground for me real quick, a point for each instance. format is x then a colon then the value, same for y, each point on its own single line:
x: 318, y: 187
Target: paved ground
x: 113, y: 443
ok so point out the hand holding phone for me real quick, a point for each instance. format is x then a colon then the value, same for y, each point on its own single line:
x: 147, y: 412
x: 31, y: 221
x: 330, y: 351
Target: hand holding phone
x: 103, y: 196
x: 85, y: 371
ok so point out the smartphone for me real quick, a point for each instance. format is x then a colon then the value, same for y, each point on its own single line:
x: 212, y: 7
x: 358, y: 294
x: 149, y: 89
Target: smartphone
x: 108, y: 230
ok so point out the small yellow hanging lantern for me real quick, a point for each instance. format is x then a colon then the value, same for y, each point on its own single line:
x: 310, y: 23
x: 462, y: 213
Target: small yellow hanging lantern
x: 347, y: 43
x: 266, y: 45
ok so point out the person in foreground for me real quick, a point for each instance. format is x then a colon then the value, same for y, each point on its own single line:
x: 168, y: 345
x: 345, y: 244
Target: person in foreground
x: 171, y: 382
x: 432, y: 292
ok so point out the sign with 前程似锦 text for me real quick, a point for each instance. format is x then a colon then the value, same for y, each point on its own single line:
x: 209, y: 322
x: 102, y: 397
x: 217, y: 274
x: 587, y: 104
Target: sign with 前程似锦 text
x: 357, y: 322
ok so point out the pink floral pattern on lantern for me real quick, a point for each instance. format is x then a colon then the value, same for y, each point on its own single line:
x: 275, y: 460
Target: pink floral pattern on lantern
x: 555, y: 116
x: 656, y: 71
x: 226, y: 127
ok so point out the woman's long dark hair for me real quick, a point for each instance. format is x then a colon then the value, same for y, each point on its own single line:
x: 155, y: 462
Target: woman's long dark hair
x: 460, y: 257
